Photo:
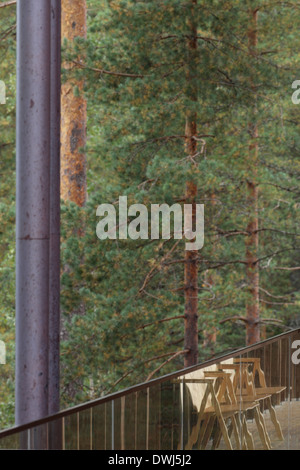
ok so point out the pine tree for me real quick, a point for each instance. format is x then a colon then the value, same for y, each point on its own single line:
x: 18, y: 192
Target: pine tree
x: 252, y: 240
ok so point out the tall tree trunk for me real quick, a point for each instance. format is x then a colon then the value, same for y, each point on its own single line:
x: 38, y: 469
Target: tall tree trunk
x: 73, y: 138
x: 191, y: 264
x: 73, y: 124
x: 252, y: 241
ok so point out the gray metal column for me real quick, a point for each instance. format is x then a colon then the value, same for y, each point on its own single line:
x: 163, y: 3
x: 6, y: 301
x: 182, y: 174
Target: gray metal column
x: 33, y: 208
x: 54, y: 300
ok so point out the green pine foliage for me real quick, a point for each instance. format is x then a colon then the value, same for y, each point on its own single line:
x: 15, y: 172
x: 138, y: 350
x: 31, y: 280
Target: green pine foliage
x: 7, y: 213
x: 122, y: 301
x: 136, y: 63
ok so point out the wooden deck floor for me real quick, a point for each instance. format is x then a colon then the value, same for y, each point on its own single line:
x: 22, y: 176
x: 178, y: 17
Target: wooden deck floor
x: 288, y: 414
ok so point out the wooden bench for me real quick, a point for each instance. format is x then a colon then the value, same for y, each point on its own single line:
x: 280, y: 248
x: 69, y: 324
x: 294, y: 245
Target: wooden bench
x: 256, y: 369
x: 223, y: 409
x: 245, y: 370
x: 248, y: 403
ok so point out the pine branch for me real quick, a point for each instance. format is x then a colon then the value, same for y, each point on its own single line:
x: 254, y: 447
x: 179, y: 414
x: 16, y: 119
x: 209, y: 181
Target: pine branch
x: 145, y: 362
x: 276, y: 303
x: 160, y: 321
x: 8, y: 31
x: 296, y: 268
x: 235, y: 318
x: 175, y: 343
x: 169, y: 36
x: 178, y: 353
x: 7, y: 4
x: 275, y: 296
x: 270, y: 320
x: 222, y: 263
x: 152, y: 270
x: 271, y: 255
x: 231, y: 233
x: 177, y: 317
x: 120, y: 379
x: 275, y: 321
x: 283, y: 188
x: 108, y: 72
x: 172, y: 137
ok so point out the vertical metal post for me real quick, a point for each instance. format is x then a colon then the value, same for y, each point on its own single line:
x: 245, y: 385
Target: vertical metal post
x: 54, y: 263
x: 33, y: 206
x: 55, y: 428
x: 113, y: 425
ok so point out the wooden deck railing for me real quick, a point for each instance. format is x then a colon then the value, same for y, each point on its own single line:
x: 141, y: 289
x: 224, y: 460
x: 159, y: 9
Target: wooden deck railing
x: 204, y: 406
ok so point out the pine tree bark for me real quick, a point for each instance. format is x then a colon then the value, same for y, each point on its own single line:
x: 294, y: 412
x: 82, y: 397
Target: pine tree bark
x: 252, y: 239
x: 73, y: 118
x: 191, y: 257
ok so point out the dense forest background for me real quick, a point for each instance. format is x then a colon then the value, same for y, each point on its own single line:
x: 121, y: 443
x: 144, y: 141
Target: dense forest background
x: 176, y: 94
